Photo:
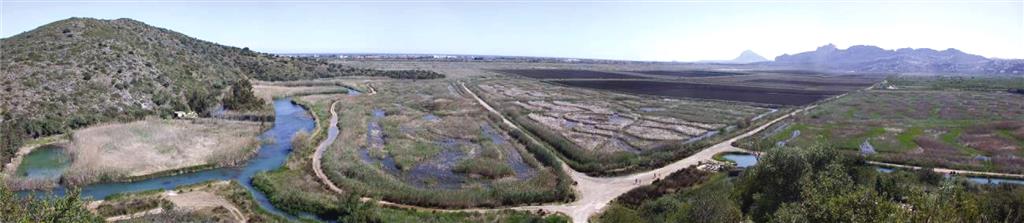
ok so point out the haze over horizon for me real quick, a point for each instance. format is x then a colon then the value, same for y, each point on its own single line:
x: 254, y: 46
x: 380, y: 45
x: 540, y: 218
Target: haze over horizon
x: 660, y: 31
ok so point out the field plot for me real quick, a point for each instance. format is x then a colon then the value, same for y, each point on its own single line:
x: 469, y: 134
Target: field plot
x: 690, y: 73
x: 426, y: 143
x: 567, y: 74
x: 747, y: 86
x: 128, y: 150
x: 981, y: 130
x: 269, y: 92
x: 708, y: 91
x: 608, y: 133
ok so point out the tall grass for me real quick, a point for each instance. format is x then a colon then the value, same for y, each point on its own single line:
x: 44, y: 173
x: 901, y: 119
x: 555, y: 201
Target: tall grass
x: 142, y: 149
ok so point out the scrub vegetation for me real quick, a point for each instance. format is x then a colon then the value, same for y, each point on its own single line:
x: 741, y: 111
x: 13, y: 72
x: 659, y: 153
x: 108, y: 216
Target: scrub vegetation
x: 801, y: 184
x: 66, y: 208
x: 936, y: 121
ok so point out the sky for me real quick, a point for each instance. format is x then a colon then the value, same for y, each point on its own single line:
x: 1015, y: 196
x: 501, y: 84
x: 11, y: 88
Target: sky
x: 654, y: 30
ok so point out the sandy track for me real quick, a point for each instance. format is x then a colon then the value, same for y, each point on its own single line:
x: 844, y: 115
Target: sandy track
x: 332, y: 134
x: 203, y: 199
x: 134, y: 215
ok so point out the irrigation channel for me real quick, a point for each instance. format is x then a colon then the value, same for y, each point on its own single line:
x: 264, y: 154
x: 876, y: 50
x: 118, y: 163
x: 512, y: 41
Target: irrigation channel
x: 289, y: 119
x: 748, y: 160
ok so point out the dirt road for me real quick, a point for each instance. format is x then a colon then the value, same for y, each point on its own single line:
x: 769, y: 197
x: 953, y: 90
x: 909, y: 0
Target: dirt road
x: 332, y: 134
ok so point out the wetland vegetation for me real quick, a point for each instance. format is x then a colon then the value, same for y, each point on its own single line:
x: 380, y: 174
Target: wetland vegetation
x: 612, y: 134
x: 933, y: 121
x: 426, y: 143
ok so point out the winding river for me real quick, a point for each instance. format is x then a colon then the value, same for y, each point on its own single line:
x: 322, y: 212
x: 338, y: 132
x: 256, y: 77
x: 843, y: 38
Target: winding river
x: 289, y: 119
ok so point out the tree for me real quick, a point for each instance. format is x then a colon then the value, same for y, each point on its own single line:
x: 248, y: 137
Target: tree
x: 200, y: 100
x: 69, y: 208
x: 241, y: 97
x: 356, y: 210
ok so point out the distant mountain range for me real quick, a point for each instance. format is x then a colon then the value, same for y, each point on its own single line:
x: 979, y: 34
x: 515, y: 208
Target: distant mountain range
x: 746, y: 57
x: 749, y: 57
x: 862, y: 58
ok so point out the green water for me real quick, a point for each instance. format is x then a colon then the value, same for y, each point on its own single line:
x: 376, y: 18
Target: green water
x: 46, y: 162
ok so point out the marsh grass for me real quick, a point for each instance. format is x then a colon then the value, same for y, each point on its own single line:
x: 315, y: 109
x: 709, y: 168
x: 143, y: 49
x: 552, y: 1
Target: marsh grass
x: 125, y: 151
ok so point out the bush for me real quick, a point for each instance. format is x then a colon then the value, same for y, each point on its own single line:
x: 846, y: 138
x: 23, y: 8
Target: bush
x: 69, y: 208
x: 241, y: 97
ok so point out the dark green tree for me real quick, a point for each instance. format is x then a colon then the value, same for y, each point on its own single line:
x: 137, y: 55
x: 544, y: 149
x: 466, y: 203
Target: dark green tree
x: 50, y: 209
x: 241, y: 97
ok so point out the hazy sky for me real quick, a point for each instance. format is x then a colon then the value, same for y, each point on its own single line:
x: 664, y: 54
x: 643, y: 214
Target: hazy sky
x: 650, y: 30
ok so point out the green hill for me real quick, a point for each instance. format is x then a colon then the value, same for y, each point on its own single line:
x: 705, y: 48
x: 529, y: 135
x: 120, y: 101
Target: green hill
x: 80, y: 71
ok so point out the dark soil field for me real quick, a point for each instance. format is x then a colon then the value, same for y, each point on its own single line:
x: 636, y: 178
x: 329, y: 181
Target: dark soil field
x: 811, y: 83
x: 708, y: 91
x: 567, y: 74
x: 690, y: 73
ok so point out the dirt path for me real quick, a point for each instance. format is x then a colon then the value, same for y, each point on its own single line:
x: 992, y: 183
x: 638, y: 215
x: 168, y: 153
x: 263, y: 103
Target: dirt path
x: 134, y: 215
x: 203, y: 199
x: 372, y: 91
x: 332, y: 134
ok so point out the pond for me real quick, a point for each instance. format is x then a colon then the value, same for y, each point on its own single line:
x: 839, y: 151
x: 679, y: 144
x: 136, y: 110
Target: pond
x: 46, y: 162
x: 289, y: 119
x: 741, y: 160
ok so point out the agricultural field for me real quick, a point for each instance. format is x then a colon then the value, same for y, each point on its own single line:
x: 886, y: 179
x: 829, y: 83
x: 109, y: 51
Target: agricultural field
x: 269, y: 90
x: 428, y: 143
x: 137, y: 149
x: 708, y: 91
x: 608, y: 133
x: 765, y: 87
x: 926, y: 121
x: 567, y: 74
x: 690, y: 73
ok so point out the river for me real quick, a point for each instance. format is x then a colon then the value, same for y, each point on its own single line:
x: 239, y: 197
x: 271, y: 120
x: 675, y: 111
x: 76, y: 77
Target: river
x: 289, y: 119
